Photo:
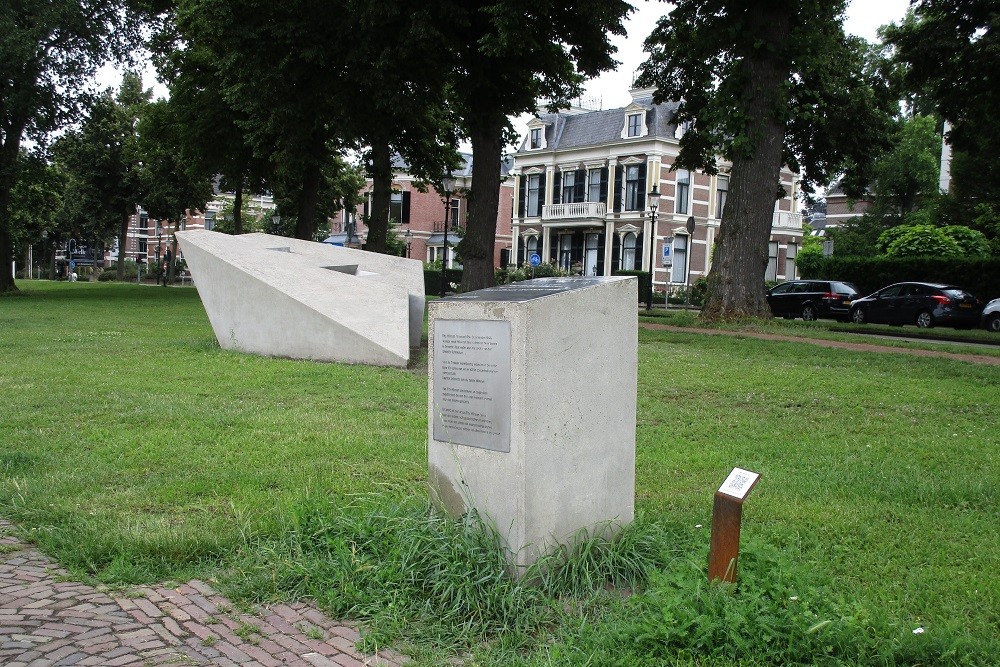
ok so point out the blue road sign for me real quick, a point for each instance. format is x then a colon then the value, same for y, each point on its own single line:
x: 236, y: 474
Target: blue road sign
x: 534, y: 259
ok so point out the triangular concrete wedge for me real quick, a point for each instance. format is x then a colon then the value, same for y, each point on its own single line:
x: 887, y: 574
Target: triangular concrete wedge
x: 273, y: 299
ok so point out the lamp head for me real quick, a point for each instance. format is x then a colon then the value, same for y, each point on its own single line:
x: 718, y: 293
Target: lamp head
x: 654, y: 199
x: 448, y: 184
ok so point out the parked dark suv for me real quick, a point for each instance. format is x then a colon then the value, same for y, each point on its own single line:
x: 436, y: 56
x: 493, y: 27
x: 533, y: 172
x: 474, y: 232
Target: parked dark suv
x: 923, y: 304
x: 812, y: 299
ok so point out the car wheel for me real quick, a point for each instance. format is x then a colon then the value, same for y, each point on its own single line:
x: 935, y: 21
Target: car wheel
x: 808, y: 313
x: 858, y: 316
x: 925, y: 320
x: 993, y: 323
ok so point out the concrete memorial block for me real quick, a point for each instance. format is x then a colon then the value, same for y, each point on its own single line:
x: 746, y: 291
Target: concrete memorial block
x: 532, y: 405
x: 285, y: 297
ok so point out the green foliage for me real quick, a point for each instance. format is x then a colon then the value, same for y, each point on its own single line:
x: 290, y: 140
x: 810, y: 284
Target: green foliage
x: 981, y: 276
x: 808, y: 260
x: 908, y: 172
x: 835, y: 108
x: 432, y: 278
x: 971, y: 242
x: 505, y: 276
x: 922, y: 241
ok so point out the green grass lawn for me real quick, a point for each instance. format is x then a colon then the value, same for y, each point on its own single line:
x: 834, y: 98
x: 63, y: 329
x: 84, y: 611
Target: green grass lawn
x: 133, y: 449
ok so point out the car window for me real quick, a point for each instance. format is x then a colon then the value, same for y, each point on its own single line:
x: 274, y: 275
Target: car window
x: 891, y: 291
x: 956, y: 293
x: 783, y: 288
x: 818, y: 287
x: 844, y: 288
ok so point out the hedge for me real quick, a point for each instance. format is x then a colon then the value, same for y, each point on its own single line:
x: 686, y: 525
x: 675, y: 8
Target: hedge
x: 645, y: 283
x: 432, y: 280
x: 979, y: 275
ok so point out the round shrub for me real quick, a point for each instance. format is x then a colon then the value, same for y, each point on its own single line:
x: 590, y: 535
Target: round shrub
x: 972, y: 242
x: 923, y: 240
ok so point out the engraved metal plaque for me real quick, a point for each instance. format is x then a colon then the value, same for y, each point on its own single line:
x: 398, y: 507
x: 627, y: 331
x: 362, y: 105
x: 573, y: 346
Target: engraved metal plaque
x: 472, y: 383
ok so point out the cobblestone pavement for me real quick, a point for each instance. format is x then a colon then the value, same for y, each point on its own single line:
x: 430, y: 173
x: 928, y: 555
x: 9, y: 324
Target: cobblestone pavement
x: 45, y: 619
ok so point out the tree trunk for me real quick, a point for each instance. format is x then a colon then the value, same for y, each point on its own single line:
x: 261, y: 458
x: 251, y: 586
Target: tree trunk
x: 238, y: 210
x: 484, y: 201
x: 8, y: 165
x: 736, y: 281
x: 122, y: 237
x: 173, y: 253
x: 305, y: 226
x: 378, y: 221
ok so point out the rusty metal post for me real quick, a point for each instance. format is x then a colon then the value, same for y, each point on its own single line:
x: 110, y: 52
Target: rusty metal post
x: 727, y: 513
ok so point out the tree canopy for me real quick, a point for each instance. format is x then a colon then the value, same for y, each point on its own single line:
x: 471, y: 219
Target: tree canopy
x: 508, y: 55
x: 49, y: 52
x: 765, y: 84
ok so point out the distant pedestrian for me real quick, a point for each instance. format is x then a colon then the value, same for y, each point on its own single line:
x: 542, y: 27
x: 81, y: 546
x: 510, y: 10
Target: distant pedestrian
x: 166, y: 265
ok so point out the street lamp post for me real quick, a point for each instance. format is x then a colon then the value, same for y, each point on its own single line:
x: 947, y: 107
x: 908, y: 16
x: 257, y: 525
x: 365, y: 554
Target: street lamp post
x: 687, y: 261
x: 448, y: 185
x: 409, y: 239
x: 275, y: 224
x: 159, y: 243
x: 653, y: 199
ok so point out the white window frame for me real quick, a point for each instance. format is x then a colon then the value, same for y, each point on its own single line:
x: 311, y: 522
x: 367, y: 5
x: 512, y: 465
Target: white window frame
x: 682, y: 192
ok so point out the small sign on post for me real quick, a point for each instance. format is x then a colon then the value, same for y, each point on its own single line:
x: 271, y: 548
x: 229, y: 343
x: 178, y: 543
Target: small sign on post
x: 727, y: 513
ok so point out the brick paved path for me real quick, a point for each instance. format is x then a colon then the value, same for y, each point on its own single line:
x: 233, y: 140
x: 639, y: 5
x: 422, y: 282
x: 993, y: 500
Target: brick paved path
x: 47, y: 620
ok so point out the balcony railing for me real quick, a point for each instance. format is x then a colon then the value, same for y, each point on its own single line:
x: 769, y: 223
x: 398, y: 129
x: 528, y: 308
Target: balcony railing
x: 586, y: 209
x: 786, y: 220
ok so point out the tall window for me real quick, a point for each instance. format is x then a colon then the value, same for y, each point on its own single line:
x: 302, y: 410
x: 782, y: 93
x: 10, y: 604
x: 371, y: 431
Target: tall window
x: 566, y: 252
x: 633, y: 189
x: 721, y: 194
x: 536, y: 138
x: 594, y: 185
x: 790, y: 254
x: 143, y: 247
x: 683, y: 191
x: 678, y: 272
x: 396, y: 206
x: 634, y: 124
x: 453, y: 220
x: 534, y: 195
x: 772, y: 261
x: 568, y: 186
x: 531, y: 245
x: 628, y: 252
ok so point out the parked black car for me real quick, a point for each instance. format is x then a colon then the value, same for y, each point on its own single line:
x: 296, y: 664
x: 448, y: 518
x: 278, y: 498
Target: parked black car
x: 812, y: 299
x: 923, y: 304
x: 991, y: 316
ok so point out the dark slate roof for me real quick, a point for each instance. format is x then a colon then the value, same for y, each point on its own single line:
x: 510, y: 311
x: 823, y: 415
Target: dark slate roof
x: 593, y: 128
x: 399, y: 164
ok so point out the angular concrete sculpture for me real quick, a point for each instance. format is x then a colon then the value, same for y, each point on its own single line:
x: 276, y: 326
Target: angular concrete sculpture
x: 531, y: 409
x: 284, y: 297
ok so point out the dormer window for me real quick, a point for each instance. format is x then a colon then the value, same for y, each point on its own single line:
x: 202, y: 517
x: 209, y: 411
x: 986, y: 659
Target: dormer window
x: 634, y: 125
x: 536, y: 138
x: 635, y: 122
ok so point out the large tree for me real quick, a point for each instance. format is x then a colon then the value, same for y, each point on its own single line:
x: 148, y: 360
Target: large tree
x: 510, y: 54
x: 103, y: 162
x: 949, y: 51
x: 171, y: 184
x: 766, y: 83
x: 49, y: 52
